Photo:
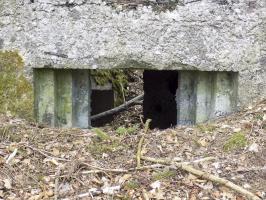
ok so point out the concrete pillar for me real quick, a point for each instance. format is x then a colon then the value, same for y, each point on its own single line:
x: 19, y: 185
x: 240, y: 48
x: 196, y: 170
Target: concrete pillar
x: 81, y: 99
x: 224, y: 94
x: 64, y: 101
x: 44, y: 92
x: 62, y: 97
x: 186, y: 98
x: 204, y: 91
x: 202, y: 96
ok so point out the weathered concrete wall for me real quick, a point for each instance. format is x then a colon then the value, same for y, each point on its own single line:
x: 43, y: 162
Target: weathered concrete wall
x: 206, y: 35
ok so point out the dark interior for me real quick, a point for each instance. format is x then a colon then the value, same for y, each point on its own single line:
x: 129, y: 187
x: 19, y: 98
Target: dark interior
x: 101, y: 100
x: 159, y: 98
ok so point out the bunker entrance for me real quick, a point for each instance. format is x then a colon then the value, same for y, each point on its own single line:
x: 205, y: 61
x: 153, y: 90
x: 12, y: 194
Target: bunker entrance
x: 158, y: 104
x: 159, y: 98
x: 73, y: 98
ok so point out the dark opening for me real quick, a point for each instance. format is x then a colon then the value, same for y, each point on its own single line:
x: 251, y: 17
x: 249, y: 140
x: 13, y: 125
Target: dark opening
x: 159, y: 98
x: 101, y: 100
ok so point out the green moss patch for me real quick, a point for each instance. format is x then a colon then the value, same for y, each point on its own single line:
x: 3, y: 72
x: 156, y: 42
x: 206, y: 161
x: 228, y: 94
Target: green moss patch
x: 117, y: 77
x: 164, y: 175
x: 236, y: 141
x: 122, y: 130
x: 15, y: 90
x: 206, y: 128
x: 132, y: 185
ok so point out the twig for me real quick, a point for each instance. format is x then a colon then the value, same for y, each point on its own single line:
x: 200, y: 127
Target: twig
x: 57, y: 174
x: 45, y: 154
x: 146, y: 128
x: 117, y: 109
x: 101, y: 170
x: 97, y: 191
x: 204, y: 175
x: 11, y: 156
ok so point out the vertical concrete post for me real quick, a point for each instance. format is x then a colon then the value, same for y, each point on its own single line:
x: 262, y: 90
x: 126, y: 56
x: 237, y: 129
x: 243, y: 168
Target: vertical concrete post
x: 64, y: 102
x: 225, y: 94
x: 204, y: 90
x: 44, y: 92
x: 186, y: 98
x: 202, y: 96
x: 81, y: 99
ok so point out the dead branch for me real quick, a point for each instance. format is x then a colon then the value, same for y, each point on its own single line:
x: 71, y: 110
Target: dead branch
x: 102, y: 170
x: 138, y: 156
x: 204, y: 175
x: 45, y: 153
x: 117, y: 109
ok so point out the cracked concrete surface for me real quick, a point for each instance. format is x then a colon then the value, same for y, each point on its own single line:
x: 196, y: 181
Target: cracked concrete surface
x: 205, y: 35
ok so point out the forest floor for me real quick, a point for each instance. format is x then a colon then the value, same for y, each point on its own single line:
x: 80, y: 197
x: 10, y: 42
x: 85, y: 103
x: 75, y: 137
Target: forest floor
x: 46, y: 163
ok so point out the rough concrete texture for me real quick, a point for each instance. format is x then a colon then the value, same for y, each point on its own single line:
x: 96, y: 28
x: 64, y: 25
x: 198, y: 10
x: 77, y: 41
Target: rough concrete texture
x: 206, y: 35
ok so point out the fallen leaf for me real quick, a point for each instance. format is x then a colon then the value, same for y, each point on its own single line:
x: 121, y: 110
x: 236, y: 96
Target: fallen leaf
x: 7, y: 183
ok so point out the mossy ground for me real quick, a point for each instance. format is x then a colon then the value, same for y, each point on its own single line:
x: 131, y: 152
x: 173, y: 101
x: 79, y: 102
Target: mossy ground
x: 236, y: 141
x: 15, y: 90
x: 163, y: 175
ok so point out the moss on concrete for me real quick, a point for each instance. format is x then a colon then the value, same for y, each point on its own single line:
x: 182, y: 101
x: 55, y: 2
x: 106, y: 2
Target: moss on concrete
x: 117, y: 77
x: 15, y: 90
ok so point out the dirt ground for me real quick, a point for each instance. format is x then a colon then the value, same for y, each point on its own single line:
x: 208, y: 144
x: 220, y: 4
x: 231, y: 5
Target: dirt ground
x: 43, y: 163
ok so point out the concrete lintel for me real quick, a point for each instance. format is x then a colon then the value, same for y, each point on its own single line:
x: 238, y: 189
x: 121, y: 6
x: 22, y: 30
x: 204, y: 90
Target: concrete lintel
x: 44, y: 92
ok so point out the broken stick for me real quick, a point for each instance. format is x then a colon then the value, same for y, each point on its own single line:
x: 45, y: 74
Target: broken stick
x: 204, y: 175
x: 117, y: 109
x: 146, y: 128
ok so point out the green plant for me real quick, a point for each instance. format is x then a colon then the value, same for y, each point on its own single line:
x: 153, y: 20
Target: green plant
x: 117, y: 77
x: 132, y: 185
x: 163, y: 175
x: 101, y: 135
x: 15, y: 90
x: 206, y: 127
x: 126, y: 131
x: 98, y: 148
x: 236, y: 141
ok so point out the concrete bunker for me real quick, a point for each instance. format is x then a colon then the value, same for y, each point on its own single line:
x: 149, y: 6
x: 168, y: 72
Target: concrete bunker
x: 68, y: 98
